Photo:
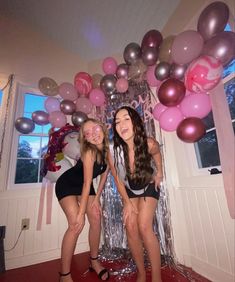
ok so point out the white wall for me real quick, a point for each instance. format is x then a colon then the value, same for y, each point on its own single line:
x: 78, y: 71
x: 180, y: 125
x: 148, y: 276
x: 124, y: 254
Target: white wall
x: 202, y: 228
x: 30, y: 56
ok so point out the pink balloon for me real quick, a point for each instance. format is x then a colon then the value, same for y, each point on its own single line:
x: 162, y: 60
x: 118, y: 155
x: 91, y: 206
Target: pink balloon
x: 196, y: 105
x: 52, y: 104
x: 57, y: 119
x: 186, y: 47
x: 109, y: 65
x: 203, y: 74
x: 67, y: 91
x: 84, y: 105
x: 122, y: 85
x: 170, y: 119
x: 83, y: 83
x: 97, y: 97
x: 158, y: 110
x: 151, y: 78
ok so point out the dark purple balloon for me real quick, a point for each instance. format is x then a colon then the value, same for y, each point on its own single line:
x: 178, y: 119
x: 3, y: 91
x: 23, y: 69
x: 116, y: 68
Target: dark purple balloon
x: 177, y: 71
x: 108, y: 83
x: 40, y: 117
x: 221, y: 47
x: 191, y: 129
x: 149, y: 56
x: 162, y: 70
x: 171, y: 92
x: 67, y: 107
x: 153, y: 38
x: 132, y: 53
x: 122, y: 71
x: 213, y: 19
x: 24, y: 125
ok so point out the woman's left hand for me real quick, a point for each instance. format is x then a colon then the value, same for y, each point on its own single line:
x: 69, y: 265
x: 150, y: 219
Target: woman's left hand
x: 96, y: 205
x: 158, y: 180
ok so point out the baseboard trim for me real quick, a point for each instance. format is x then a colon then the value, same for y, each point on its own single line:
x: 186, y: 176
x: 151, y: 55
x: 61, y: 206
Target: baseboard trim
x: 209, y: 271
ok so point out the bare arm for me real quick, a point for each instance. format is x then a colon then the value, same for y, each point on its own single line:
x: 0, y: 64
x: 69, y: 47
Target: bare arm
x: 154, y: 150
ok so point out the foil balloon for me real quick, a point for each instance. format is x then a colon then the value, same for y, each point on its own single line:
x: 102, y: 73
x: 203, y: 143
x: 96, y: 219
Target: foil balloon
x: 40, y: 117
x: 171, y: 92
x: 162, y: 71
x: 83, y: 83
x: 132, y: 53
x: 213, y: 19
x: 221, y: 47
x: 153, y: 38
x: 191, y: 129
x: 203, y: 74
x: 24, y: 125
x: 122, y: 71
x: 178, y: 71
x: 78, y: 118
x: 67, y: 107
x: 149, y: 56
x: 48, y: 86
x: 137, y: 71
x: 108, y: 83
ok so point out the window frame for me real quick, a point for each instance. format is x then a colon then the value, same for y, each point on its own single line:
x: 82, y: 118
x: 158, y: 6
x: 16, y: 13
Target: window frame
x: 21, y: 89
x: 191, y: 150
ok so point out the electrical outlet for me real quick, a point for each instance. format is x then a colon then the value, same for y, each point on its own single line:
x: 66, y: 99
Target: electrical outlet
x: 25, y: 224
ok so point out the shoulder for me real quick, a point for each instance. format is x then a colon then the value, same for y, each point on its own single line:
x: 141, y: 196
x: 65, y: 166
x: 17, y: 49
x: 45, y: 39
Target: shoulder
x: 89, y: 156
x: 153, y: 146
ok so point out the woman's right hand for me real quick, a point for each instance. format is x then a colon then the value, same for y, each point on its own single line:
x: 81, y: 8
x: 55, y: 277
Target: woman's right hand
x: 80, y: 222
x: 128, y: 209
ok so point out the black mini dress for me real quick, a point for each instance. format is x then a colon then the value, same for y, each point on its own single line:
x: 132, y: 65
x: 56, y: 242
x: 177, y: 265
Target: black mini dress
x: 71, y: 181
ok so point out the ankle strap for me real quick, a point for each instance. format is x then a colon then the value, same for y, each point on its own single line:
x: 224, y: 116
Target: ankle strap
x: 64, y: 274
x: 93, y: 258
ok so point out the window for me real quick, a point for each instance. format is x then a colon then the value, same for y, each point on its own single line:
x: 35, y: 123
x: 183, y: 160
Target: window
x: 30, y: 148
x: 207, y: 148
x: 1, y: 94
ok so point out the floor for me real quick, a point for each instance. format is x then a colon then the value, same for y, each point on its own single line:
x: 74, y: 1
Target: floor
x: 48, y: 272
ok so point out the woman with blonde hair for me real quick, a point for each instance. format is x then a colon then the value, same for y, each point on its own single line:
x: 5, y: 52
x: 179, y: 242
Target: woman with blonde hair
x: 77, y: 197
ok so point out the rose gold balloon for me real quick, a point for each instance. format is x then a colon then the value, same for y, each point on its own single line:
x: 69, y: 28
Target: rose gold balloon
x: 165, y: 49
x: 191, y: 130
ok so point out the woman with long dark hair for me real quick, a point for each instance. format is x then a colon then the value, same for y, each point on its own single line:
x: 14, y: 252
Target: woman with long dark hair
x: 77, y: 197
x: 138, y: 185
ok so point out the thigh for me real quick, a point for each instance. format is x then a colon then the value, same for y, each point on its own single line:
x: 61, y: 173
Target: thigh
x: 93, y: 211
x: 146, y: 207
x: 132, y: 221
x: 70, y: 206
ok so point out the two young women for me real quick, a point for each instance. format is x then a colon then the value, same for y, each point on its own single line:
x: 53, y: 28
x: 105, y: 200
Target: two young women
x: 137, y: 183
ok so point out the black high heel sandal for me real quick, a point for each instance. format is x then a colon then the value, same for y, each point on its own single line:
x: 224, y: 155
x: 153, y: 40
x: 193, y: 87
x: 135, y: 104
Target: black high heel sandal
x: 63, y: 274
x: 102, y: 272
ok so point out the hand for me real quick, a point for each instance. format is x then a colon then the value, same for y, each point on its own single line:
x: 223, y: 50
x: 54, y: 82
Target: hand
x: 128, y: 210
x: 80, y: 222
x: 158, y: 180
x: 96, y: 205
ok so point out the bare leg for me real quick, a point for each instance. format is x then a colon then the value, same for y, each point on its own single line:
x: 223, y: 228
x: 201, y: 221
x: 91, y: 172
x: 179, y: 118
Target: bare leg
x: 70, y: 207
x: 94, y: 218
x: 147, y: 209
x: 135, y: 243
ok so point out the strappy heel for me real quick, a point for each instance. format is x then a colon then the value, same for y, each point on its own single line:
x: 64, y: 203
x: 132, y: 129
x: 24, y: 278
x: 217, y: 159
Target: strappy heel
x: 101, y: 273
x: 63, y: 274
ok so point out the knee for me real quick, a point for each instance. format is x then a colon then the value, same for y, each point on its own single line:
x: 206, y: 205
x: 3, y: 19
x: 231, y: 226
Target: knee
x: 145, y: 229
x: 95, y: 219
x: 131, y: 229
x: 72, y: 228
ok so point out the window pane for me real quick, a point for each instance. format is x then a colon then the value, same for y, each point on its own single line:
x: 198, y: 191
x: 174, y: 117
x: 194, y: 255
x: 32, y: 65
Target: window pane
x: 29, y: 175
x: 229, y: 69
x: 44, y: 146
x: 29, y: 147
x: 207, y: 150
x: 230, y: 95
x: 209, y: 121
x: 1, y: 94
x: 33, y: 103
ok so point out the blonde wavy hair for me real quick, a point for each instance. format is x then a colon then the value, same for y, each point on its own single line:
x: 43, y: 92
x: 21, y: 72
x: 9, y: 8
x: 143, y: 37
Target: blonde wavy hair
x: 86, y: 145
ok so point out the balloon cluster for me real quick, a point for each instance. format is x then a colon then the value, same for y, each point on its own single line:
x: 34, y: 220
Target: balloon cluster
x: 190, y: 65
x: 183, y: 68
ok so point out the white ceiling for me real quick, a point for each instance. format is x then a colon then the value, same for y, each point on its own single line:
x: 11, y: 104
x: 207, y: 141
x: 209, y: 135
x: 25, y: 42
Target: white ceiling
x: 93, y: 29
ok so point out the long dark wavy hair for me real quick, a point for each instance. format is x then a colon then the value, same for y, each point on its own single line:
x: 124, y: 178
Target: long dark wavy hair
x: 85, y: 145
x: 142, y: 160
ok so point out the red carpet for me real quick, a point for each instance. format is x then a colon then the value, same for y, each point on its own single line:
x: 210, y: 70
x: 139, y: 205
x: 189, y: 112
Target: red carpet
x: 48, y: 272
